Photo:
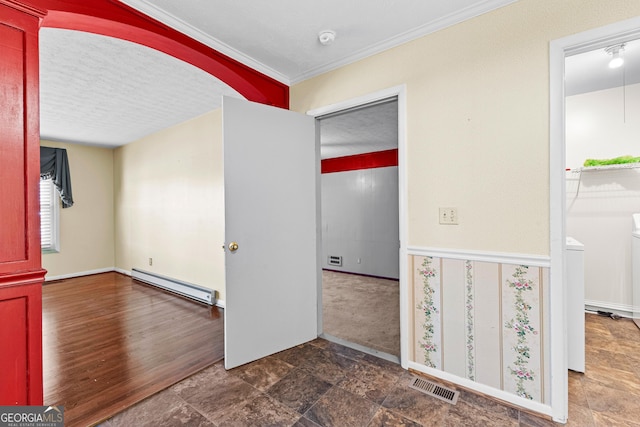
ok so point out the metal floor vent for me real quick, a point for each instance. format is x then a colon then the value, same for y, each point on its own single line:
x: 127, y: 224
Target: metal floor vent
x: 335, y: 260
x: 435, y: 390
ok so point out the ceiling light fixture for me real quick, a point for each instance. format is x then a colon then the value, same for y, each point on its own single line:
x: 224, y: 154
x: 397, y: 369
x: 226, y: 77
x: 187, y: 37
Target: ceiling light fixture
x: 326, y: 37
x: 616, y: 55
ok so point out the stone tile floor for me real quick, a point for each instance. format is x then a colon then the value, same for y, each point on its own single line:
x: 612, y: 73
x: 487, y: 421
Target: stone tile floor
x: 325, y: 384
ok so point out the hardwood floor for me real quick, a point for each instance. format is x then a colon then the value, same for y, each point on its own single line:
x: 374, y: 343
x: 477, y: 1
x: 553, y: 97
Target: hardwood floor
x: 109, y: 342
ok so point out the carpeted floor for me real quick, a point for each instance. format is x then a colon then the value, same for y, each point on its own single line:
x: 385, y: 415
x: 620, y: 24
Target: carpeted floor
x: 363, y: 310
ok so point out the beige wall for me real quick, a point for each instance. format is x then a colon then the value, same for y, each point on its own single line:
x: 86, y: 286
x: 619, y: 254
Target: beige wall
x: 477, y: 119
x: 169, y: 203
x: 86, y: 228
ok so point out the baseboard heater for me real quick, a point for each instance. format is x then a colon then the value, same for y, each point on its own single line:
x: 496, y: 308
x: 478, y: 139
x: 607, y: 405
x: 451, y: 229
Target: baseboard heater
x: 188, y: 290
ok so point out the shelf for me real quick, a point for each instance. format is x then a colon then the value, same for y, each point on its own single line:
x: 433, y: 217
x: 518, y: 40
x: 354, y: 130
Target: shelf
x: 578, y: 171
x: 607, y: 167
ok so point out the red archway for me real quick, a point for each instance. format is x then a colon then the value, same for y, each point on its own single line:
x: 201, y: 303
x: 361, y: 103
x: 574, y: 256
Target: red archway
x: 115, y: 19
x: 21, y: 273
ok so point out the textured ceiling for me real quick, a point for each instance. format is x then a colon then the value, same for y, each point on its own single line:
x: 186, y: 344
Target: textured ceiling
x: 102, y: 91
x: 589, y: 71
x: 361, y: 130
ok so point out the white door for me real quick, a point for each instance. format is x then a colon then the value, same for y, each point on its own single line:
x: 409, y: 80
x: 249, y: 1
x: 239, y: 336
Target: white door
x: 270, y: 174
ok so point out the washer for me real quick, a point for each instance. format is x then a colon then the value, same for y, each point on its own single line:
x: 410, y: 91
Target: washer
x: 635, y: 267
x: 575, y: 304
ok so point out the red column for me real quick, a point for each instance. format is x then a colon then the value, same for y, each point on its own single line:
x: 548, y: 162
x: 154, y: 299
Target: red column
x: 21, y: 274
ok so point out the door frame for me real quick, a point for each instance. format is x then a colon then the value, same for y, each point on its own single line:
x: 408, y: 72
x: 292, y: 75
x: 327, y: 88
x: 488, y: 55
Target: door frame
x: 398, y: 92
x: 559, y: 49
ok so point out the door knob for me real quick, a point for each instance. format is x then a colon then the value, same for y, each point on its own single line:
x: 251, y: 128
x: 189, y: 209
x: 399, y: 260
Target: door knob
x: 233, y: 246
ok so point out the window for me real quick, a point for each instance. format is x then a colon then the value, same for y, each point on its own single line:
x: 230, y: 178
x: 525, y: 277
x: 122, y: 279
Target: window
x: 49, y: 222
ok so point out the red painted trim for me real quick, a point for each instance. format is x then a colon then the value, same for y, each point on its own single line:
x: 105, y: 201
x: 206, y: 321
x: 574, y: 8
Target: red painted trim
x: 21, y: 273
x: 115, y: 19
x: 21, y: 377
x: 20, y: 160
x: 22, y: 278
x: 378, y: 159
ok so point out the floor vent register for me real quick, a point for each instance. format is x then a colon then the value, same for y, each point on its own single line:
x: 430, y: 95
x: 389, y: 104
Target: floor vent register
x: 432, y: 389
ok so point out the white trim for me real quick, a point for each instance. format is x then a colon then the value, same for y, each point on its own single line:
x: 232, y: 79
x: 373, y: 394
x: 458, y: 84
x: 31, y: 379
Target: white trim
x: 318, y: 189
x: 177, y: 24
x: 219, y: 302
x: 624, y: 310
x: 400, y: 93
x: 484, y: 389
x: 557, y: 241
x: 457, y: 17
x: 122, y: 271
x: 79, y: 274
x: 189, y: 290
x: 403, y: 190
x: 558, y: 50
x: 362, y: 100
x: 495, y: 257
x: 362, y: 348
x: 185, y: 28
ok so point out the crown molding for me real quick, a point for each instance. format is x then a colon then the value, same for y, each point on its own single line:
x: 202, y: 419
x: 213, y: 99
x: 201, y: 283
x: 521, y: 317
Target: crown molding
x: 426, y: 29
x: 179, y: 25
x: 430, y: 27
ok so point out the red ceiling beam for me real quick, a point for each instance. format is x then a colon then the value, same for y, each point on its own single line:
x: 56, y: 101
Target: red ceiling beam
x: 377, y: 159
x: 115, y: 19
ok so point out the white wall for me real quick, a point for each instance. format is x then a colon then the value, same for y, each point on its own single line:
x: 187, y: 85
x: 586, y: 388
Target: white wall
x: 360, y: 221
x: 601, y: 125
x: 599, y: 216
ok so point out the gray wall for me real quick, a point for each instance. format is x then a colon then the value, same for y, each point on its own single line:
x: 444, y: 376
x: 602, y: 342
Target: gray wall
x: 360, y: 221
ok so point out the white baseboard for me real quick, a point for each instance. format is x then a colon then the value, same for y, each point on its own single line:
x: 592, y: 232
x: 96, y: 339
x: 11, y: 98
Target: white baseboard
x: 623, y: 310
x: 48, y: 278
x: 505, y: 396
x: 122, y: 271
x: 218, y: 302
x: 189, y: 290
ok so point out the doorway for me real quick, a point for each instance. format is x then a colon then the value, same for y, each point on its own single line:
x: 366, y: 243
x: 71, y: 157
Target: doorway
x: 359, y: 299
x: 598, y: 38
x: 602, y: 116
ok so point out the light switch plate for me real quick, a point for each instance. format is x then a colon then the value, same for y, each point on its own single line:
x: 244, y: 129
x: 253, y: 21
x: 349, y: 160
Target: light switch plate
x: 449, y: 216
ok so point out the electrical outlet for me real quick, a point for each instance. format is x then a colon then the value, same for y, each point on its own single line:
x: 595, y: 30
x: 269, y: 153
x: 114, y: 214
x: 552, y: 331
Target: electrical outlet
x: 150, y: 261
x: 449, y: 216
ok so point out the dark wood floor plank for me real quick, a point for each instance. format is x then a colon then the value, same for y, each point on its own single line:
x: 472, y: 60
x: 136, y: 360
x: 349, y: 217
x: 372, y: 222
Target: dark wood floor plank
x: 109, y: 342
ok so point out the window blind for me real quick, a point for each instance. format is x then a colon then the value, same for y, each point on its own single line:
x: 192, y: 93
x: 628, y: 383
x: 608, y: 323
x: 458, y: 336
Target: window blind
x: 47, y: 215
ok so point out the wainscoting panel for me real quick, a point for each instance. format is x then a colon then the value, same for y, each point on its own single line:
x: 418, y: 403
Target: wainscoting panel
x: 483, y: 321
x: 521, y: 305
x: 484, y: 315
x: 454, y: 347
x: 427, y: 302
